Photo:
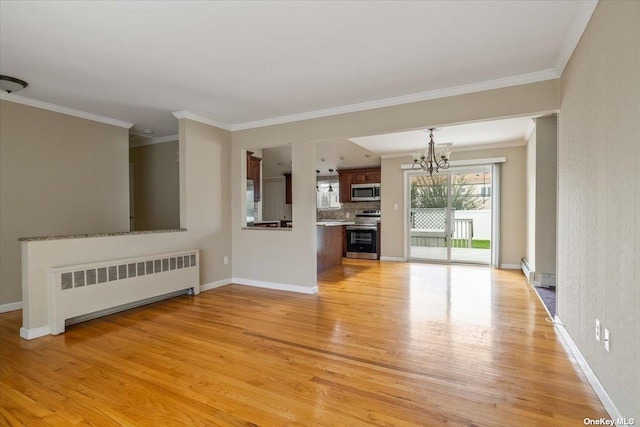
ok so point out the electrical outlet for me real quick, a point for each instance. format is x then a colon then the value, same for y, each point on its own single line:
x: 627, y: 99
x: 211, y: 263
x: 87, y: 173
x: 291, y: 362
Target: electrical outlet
x: 226, y: 260
x: 597, y: 330
x: 607, y: 340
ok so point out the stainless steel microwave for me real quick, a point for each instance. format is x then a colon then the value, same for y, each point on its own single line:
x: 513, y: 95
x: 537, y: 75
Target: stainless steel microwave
x: 365, y: 192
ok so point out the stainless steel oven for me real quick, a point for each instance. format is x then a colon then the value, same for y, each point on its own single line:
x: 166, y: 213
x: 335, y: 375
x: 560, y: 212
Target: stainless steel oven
x: 362, y: 241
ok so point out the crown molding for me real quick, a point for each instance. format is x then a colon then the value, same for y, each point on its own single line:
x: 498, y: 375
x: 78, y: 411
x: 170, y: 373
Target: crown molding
x: 575, y: 33
x: 151, y: 141
x: 196, y: 118
x: 63, y: 110
x: 521, y: 79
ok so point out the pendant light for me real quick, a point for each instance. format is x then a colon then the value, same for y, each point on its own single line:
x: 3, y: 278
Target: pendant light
x: 330, y: 180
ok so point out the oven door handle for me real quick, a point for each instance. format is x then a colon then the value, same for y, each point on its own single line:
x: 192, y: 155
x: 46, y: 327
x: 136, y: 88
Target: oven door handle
x: 361, y: 227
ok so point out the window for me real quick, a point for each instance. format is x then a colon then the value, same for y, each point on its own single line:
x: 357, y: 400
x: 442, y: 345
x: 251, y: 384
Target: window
x: 327, y: 199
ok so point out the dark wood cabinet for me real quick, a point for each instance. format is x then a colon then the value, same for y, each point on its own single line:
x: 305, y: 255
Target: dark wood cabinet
x: 253, y: 173
x: 356, y: 176
x: 329, y: 239
x: 374, y: 176
x: 288, y: 194
x: 366, y: 176
x: 344, y: 185
x: 344, y: 241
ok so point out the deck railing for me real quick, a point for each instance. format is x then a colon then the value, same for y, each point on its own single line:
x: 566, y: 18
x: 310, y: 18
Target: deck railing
x: 428, y: 229
x: 461, y: 233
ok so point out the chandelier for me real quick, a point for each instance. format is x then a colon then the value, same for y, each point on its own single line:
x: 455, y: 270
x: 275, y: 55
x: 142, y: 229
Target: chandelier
x: 427, y: 160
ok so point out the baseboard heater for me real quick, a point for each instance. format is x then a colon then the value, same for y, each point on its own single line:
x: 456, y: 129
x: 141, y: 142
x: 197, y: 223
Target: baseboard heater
x: 87, y: 291
x: 526, y: 269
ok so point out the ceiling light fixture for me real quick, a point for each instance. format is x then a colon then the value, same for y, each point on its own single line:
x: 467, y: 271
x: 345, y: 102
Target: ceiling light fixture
x: 427, y: 160
x: 11, y: 84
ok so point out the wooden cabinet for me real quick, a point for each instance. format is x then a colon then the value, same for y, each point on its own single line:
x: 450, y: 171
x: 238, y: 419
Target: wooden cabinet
x: 344, y: 241
x: 356, y: 176
x: 329, y: 240
x: 288, y: 198
x: 366, y: 176
x: 344, y: 185
x: 253, y: 173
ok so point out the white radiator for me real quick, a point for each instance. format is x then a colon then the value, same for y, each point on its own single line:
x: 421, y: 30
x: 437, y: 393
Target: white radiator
x: 526, y: 269
x: 80, y: 292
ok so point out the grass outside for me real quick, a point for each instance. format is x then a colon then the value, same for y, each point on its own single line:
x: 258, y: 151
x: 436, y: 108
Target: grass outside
x: 475, y: 244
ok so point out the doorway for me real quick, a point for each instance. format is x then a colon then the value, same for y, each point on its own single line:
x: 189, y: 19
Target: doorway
x: 450, y: 216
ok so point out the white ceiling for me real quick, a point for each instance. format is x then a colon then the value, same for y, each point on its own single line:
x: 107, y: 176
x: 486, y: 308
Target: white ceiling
x: 331, y: 154
x: 246, y: 64
x: 469, y: 136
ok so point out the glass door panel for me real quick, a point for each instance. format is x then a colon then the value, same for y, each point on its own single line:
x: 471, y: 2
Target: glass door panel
x: 429, y: 217
x: 471, y: 215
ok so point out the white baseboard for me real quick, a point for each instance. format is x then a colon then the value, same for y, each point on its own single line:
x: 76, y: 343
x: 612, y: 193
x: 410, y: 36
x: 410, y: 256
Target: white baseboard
x: 12, y: 306
x: 276, y: 286
x: 392, y: 258
x: 597, y: 386
x: 510, y: 266
x: 29, y: 334
x: 214, y: 285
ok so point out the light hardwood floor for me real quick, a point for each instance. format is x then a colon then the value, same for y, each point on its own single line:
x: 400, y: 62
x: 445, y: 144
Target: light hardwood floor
x: 380, y: 344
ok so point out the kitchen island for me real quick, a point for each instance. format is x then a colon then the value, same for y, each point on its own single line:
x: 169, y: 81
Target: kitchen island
x: 329, y: 251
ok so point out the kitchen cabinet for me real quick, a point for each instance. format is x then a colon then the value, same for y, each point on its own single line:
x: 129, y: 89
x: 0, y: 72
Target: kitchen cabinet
x: 253, y: 173
x: 344, y: 241
x: 288, y: 194
x: 329, y: 240
x: 344, y: 185
x: 366, y: 176
x: 346, y: 177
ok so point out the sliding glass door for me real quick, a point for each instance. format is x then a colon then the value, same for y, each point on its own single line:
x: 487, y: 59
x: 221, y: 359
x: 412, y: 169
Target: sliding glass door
x: 450, y: 216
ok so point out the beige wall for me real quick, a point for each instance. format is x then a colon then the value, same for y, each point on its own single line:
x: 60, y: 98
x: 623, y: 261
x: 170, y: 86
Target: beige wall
x: 542, y: 181
x: 282, y: 258
x: 530, y: 252
x: 599, y: 196
x: 58, y: 175
x: 512, y: 210
x: 546, y: 195
x: 205, y: 212
x: 205, y: 185
x: 156, y: 186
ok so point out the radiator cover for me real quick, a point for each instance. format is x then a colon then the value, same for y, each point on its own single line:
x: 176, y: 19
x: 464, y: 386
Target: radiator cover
x: 93, y: 288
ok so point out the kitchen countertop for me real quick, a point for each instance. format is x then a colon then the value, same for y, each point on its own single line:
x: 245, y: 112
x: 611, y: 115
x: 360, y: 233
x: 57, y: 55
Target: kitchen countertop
x: 82, y: 236
x: 330, y: 223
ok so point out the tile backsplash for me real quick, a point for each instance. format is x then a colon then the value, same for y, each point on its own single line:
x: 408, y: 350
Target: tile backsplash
x: 347, y: 208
